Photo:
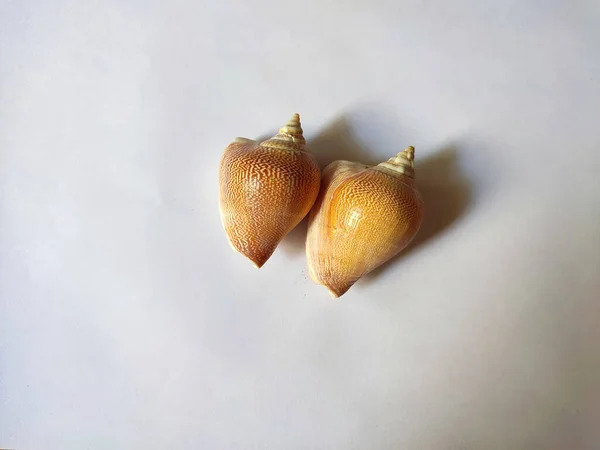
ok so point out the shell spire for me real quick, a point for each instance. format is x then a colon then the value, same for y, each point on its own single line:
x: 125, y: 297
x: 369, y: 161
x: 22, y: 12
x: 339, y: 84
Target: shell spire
x: 403, y: 162
x: 290, y: 136
x: 293, y: 127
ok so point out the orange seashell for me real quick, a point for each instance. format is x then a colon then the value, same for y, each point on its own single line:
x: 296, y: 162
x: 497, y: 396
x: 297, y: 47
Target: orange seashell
x: 266, y: 189
x: 362, y: 218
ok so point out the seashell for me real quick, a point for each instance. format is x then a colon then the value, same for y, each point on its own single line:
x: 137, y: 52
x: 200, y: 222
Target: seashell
x: 363, y: 217
x: 266, y: 189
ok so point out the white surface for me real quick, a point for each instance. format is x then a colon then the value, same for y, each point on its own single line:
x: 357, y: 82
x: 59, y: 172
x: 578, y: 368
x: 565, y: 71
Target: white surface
x: 127, y: 321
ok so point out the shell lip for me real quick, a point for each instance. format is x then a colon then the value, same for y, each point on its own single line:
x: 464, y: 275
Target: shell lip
x: 242, y: 140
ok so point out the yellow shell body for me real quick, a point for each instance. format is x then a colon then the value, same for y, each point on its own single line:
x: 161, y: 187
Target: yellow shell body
x: 266, y: 189
x: 363, y: 217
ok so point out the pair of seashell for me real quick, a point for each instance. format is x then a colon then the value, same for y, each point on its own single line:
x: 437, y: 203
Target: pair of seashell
x: 360, y: 216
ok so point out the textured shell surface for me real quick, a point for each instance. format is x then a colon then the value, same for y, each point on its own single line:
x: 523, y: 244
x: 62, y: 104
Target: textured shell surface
x: 363, y: 217
x: 266, y: 189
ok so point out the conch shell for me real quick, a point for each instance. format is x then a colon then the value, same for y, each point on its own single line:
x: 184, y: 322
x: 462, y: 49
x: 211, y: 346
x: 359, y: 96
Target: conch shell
x: 363, y: 217
x: 266, y: 189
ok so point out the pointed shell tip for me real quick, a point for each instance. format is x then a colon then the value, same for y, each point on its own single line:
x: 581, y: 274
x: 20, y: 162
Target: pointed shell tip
x: 293, y: 126
x: 257, y: 260
x: 294, y: 121
x: 338, y: 291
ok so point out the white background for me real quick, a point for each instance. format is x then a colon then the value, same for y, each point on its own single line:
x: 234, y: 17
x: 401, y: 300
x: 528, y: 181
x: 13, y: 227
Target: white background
x: 126, y: 320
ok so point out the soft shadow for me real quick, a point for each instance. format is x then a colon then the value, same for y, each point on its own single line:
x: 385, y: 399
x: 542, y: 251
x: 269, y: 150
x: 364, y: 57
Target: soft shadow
x: 446, y: 195
x: 293, y: 243
x: 265, y: 136
x: 337, y: 142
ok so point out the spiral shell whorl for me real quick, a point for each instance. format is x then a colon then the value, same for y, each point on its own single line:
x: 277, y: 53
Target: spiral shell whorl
x: 403, y: 162
x: 293, y: 127
x: 289, y: 137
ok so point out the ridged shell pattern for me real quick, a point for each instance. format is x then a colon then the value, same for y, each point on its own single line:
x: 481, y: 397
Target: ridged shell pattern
x: 362, y: 218
x: 266, y: 189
